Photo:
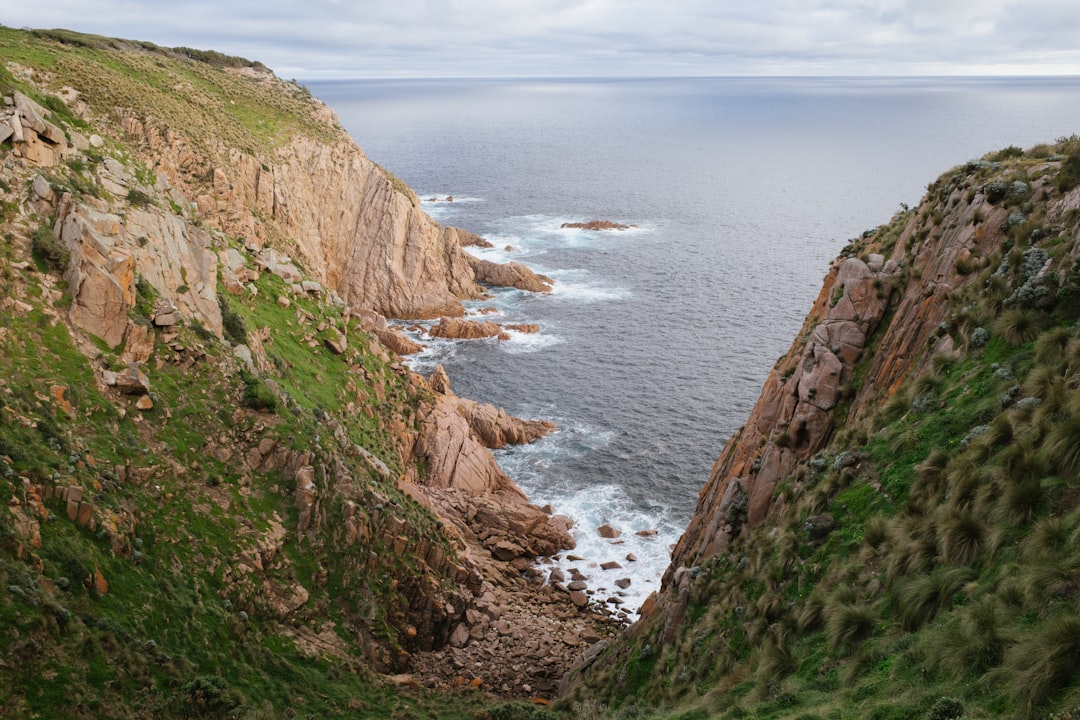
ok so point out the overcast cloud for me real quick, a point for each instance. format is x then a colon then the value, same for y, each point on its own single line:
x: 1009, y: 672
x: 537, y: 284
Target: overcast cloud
x: 310, y: 39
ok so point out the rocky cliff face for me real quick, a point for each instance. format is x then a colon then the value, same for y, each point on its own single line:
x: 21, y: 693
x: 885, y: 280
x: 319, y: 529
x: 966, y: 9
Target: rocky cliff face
x: 913, y: 448
x: 879, y: 316
x: 355, y: 227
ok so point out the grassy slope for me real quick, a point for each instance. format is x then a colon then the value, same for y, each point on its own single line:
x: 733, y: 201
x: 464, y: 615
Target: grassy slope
x: 180, y: 631
x: 951, y: 586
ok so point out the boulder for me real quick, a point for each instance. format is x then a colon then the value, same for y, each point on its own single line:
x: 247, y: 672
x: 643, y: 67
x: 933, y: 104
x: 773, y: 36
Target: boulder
x: 397, y: 342
x: 511, y: 274
x: 132, y: 381
x: 458, y: 329
x: 506, y: 550
x: 335, y: 341
x: 606, y: 531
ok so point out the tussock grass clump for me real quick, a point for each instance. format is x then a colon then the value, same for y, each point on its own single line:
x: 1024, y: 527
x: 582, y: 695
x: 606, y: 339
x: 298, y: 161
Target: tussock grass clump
x: 1037, y: 667
x: 974, y: 643
x: 847, y: 620
x: 1051, y: 348
x: 962, y: 536
x: 1017, y: 326
x: 920, y: 598
x: 1060, y: 451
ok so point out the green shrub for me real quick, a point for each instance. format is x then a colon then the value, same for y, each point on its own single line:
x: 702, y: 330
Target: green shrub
x: 137, y: 198
x: 205, y: 696
x: 145, y: 297
x: 1005, y: 153
x: 1069, y: 175
x: 232, y: 324
x: 946, y: 708
x: 257, y: 395
x: 47, y: 248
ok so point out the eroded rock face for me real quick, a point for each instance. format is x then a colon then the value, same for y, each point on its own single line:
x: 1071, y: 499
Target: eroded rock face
x: 355, y: 227
x: 793, y: 416
x: 453, y: 443
x: 32, y: 137
x: 108, y: 251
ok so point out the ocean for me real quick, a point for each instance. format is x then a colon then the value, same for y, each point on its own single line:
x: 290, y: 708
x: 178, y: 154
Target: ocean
x: 656, y: 341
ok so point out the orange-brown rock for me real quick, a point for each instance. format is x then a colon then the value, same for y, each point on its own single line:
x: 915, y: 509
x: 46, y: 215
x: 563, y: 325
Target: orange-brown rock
x: 458, y: 329
x: 511, y: 274
x: 99, y: 584
x: 528, y: 328
x: 468, y: 239
x: 465, y: 485
x: 794, y: 416
x: 397, y: 342
x: 354, y: 226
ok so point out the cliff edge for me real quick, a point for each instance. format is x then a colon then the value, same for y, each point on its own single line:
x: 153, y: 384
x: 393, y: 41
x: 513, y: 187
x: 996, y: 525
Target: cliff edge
x: 891, y: 533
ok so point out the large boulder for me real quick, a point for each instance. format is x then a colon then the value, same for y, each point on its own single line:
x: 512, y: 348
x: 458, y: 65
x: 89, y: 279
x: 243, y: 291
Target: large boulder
x: 511, y: 274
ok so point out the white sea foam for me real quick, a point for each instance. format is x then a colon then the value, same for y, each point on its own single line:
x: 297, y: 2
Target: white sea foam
x: 427, y: 199
x: 521, y: 343
x: 442, y: 210
x: 582, y: 286
x: 591, y: 506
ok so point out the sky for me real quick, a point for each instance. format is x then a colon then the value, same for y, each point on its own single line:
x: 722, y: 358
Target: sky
x: 324, y: 39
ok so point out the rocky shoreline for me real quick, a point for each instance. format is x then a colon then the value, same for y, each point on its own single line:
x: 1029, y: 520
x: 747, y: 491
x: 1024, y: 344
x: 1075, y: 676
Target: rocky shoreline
x: 217, y: 217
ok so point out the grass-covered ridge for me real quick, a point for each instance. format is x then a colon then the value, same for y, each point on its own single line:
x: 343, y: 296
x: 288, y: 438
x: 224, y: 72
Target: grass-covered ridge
x: 946, y: 580
x: 218, y: 101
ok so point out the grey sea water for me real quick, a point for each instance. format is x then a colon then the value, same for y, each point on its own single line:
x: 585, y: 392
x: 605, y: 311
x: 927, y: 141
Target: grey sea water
x: 656, y: 341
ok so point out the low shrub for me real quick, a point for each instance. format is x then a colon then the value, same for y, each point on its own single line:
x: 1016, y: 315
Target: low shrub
x: 47, y: 248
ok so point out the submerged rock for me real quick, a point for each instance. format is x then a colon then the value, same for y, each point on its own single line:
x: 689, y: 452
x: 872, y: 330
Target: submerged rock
x: 597, y: 225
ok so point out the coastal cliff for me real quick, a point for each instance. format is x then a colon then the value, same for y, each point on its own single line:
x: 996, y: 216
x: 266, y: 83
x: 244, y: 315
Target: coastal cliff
x: 211, y: 463
x: 223, y: 495
x: 891, y: 532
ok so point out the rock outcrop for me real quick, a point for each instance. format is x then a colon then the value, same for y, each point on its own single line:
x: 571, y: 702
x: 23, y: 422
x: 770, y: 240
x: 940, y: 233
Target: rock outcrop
x: 597, y: 225
x: 356, y: 227
x: 795, y: 415
x: 454, y: 442
x: 511, y: 274
x: 34, y: 138
x: 459, y: 329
